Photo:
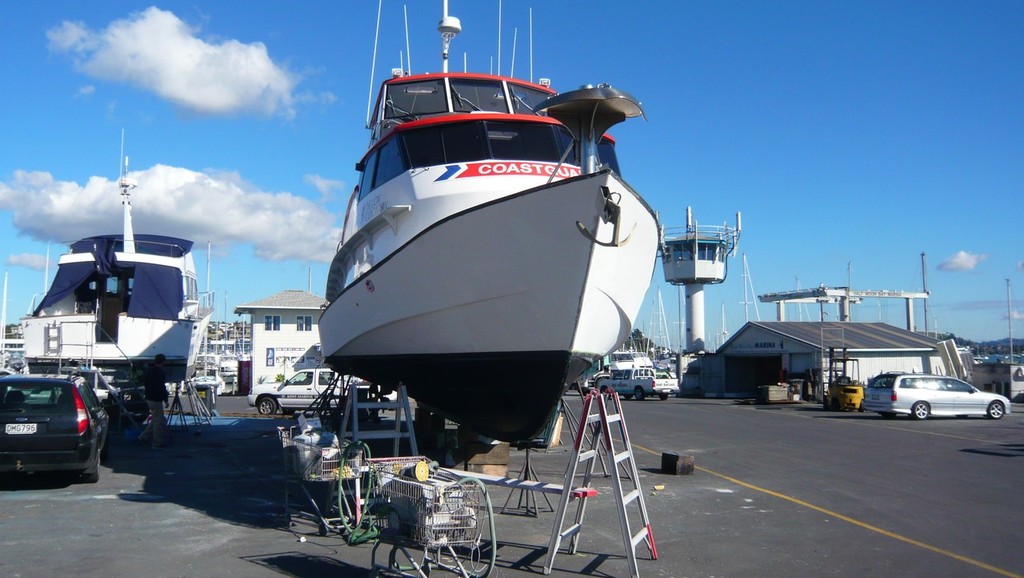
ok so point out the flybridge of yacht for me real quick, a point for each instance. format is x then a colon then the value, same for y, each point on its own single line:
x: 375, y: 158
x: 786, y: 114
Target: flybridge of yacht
x: 159, y: 245
x: 147, y: 281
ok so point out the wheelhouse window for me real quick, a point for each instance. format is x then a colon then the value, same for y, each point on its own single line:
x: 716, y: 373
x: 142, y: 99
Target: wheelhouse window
x: 530, y: 142
x: 525, y: 99
x: 470, y: 141
x: 390, y: 163
x: 272, y: 322
x: 191, y: 289
x: 475, y: 141
x: 366, y: 178
x: 304, y: 323
x: 606, y: 152
x: 478, y: 96
x: 414, y: 99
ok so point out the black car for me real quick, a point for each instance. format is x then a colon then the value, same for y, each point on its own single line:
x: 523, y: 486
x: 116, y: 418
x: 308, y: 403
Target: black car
x: 51, y: 424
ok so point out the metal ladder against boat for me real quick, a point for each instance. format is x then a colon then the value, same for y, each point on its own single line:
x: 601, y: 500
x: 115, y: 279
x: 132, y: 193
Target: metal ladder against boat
x: 602, y: 444
x: 403, y: 416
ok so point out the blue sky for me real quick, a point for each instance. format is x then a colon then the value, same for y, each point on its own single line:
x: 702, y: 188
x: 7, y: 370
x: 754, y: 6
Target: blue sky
x: 853, y: 136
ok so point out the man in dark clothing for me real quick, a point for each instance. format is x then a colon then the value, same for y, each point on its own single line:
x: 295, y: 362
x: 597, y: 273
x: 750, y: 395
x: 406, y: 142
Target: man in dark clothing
x: 156, y: 398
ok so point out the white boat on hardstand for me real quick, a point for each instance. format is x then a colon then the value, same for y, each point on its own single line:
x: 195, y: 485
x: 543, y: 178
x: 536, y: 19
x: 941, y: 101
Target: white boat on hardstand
x: 117, y: 301
x: 491, y: 251
x: 628, y: 359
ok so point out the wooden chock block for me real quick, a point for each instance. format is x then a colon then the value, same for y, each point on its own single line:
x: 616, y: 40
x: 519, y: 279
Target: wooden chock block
x: 676, y: 464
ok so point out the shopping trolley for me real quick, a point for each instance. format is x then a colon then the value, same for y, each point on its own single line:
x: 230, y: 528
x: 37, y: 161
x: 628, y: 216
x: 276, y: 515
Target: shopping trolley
x: 446, y: 516
x: 316, y: 470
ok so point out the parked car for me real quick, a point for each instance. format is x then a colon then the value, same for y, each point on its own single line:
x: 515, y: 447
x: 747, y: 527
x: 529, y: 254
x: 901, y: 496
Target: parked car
x: 213, y: 383
x: 639, y: 382
x: 295, y: 393
x: 920, y: 396
x: 52, y: 424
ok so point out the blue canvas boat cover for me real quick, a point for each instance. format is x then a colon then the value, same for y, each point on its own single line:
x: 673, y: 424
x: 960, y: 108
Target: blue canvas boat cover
x: 157, y: 291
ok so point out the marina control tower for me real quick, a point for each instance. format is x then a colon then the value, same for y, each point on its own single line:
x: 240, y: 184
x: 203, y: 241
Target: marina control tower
x: 695, y: 257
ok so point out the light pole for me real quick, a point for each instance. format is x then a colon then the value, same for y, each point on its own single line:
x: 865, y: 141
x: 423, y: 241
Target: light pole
x: 1009, y: 317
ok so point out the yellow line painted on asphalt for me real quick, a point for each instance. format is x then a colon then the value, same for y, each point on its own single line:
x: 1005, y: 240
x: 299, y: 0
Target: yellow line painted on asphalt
x: 853, y: 521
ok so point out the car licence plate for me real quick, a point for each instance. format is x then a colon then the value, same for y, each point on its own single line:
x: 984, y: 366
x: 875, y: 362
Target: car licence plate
x: 20, y: 428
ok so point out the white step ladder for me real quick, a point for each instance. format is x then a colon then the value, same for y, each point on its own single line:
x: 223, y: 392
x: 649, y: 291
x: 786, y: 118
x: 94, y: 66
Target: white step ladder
x: 596, y: 427
x: 403, y: 415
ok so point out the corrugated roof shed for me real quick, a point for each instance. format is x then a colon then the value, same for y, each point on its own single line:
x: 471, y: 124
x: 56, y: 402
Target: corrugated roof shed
x: 851, y: 335
x: 287, y: 299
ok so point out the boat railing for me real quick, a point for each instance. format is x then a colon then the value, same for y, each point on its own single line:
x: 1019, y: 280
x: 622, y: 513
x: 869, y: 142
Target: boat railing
x: 204, y: 305
x: 143, y: 246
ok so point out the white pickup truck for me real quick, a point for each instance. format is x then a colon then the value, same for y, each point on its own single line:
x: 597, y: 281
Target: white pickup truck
x: 639, y: 382
x: 295, y: 393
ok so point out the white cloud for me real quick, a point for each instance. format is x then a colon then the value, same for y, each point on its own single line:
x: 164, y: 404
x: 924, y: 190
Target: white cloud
x: 28, y: 260
x: 221, y: 208
x: 1017, y: 315
x: 962, y: 261
x: 156, y: 51
x: 1020, y: 265
x: 326, y: 187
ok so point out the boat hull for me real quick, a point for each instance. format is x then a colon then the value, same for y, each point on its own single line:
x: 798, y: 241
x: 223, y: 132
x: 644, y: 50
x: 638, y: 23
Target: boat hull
x: 487, y: 315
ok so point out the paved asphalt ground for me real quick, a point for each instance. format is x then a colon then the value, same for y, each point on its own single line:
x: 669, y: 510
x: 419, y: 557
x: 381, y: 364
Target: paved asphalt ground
x: 779, y: 490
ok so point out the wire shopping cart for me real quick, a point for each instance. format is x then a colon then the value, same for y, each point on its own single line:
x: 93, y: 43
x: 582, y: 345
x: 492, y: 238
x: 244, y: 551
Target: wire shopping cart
x: 447, y: 516
x: 316, y: 470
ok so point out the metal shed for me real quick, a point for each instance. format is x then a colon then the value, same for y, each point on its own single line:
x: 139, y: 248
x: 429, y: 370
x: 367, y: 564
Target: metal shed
x: 770, y: 352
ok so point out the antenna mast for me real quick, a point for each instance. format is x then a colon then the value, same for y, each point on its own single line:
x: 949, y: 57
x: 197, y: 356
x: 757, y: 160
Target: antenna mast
x: 373, y: 64
x: 531, y: 44
x: 515, y: 36
x: 499, y: 36
x: 126, y: 184
x: 408, y: 51
x: 448, y: 27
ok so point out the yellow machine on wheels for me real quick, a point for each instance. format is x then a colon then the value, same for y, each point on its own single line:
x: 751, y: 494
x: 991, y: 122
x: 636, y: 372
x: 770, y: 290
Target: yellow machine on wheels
x: 844, y: 393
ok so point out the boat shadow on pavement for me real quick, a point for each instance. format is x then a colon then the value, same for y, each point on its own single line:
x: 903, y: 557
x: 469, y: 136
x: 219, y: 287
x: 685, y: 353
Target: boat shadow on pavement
x: 232, y: 472
x: 212, y: 502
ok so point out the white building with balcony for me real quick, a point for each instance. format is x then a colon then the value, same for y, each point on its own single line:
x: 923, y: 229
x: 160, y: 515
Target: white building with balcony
x: 284, y: 327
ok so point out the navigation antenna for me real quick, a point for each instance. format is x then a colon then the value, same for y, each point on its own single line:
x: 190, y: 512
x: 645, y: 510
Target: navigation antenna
x: 408, y: 50
x: 448, y: 27
x: 373, y: 63
x: 126, y: 185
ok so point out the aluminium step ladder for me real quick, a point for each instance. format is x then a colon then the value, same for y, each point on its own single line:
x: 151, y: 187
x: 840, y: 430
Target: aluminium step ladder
x: 403, y: 417
x: 601, y: 442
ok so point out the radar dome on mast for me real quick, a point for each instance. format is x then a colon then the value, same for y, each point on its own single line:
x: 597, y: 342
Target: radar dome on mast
x: 449, y: 26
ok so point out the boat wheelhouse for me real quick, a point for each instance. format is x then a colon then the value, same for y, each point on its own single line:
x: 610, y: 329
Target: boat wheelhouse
x: 464, y: 131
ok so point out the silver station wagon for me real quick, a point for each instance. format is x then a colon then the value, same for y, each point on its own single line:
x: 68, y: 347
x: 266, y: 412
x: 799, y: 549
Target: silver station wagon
x: 920, y: 396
